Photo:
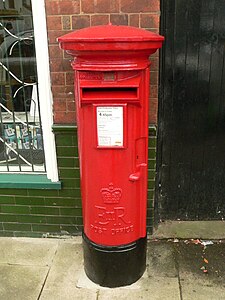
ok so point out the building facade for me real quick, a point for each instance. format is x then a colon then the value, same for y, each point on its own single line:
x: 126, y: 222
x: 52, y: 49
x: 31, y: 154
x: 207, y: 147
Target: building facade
x: 39, y: 167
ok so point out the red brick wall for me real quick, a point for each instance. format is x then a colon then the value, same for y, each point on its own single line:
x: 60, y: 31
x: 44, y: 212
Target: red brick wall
x: 64, y: 16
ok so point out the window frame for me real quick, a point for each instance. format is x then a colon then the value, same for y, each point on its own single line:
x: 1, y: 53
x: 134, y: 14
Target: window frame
x: 44, y: 87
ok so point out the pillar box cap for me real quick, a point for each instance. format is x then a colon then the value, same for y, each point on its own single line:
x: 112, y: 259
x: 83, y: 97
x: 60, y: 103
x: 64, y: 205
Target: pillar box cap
x: 111, y: 38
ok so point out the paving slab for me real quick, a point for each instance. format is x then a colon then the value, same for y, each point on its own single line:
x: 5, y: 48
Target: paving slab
x: 204, y: 262
x: 161, y: 259
x: 27, y: 251
x: 157, y: 288
x: 200, y: 289
x: 69, y: 292
x: 201, y: 270
x: 64, y: 274
x: 21, y: 282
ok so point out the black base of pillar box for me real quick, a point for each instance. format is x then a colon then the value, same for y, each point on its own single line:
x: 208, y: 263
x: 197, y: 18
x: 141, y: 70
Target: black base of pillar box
x: 114, y: 266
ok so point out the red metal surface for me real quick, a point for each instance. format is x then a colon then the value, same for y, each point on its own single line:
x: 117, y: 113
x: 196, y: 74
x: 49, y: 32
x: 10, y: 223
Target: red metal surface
x: 112, y: 96
x: 111, y: 33
x: 110, y: 38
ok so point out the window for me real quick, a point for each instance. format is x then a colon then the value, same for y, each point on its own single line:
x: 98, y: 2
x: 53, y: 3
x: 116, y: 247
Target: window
x: 26, y: 140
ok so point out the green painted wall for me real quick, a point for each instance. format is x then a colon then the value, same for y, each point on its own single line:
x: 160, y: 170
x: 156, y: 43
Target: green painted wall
x: 44, y: 213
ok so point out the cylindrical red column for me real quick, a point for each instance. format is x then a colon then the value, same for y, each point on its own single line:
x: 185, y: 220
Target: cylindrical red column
x: 111, y: 65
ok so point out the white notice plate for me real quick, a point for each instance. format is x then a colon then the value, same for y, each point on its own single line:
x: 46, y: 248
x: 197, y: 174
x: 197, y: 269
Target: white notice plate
x: 110, y: 126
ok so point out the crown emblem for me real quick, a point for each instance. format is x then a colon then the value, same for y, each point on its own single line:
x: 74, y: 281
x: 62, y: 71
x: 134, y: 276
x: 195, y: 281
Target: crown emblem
x: 111, y: 195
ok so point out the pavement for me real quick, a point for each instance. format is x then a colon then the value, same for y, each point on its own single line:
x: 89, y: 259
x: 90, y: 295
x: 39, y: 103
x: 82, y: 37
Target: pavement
x: 47, y: 269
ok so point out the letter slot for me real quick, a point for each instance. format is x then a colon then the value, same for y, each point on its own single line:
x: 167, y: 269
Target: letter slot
x: 107, y: 94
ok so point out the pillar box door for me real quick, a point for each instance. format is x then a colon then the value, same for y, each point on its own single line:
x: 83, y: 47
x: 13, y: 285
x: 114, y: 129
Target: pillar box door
x: 111, y: 65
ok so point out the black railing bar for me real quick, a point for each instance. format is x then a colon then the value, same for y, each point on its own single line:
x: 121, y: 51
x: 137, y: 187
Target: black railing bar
x: 18, y: 119
x: 13, y: 150
x: 4, y: 145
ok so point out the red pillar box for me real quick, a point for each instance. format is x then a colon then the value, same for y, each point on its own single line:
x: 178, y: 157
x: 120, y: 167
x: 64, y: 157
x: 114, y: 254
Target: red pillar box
x: 111, y: 65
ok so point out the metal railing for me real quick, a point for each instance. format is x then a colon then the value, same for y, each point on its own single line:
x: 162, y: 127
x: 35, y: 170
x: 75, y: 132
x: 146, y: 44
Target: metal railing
x: 21, y: 140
